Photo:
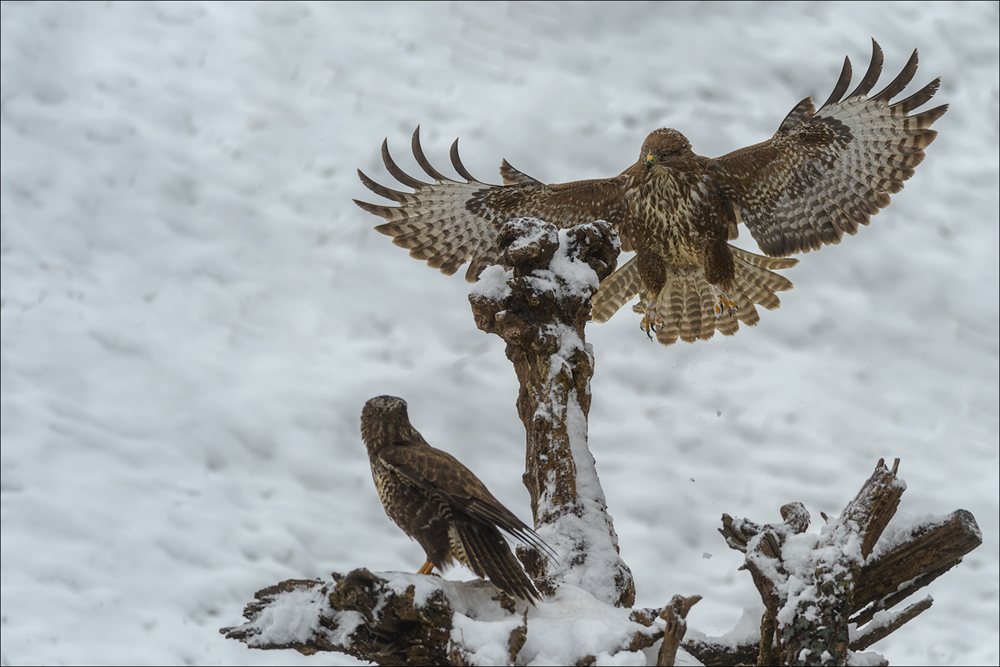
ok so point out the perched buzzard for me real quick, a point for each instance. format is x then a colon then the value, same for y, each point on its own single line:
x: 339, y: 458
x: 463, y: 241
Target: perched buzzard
x: 438, y: 502
x: 822, y: 174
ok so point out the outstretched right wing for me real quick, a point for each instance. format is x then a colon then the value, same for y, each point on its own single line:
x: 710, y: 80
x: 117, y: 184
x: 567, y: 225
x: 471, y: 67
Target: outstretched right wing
x: 447, y: 223
x: 824, y: 173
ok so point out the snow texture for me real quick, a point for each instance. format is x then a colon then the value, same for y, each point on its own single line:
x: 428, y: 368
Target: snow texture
x: 902, y: 526
x: 575, y: 276
x: 294, y: 619
x: 492, y: 283
x: 577, y: 623
x: 746, y: 630
x: 193, y: 312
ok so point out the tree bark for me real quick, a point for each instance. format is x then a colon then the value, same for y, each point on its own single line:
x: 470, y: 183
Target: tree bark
x: 539, y: 304
x: 541, y: 316
x: 841, y: 577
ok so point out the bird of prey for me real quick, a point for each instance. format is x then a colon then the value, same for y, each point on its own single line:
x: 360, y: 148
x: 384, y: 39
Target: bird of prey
x: 823, y: 174
x: 439, y: 502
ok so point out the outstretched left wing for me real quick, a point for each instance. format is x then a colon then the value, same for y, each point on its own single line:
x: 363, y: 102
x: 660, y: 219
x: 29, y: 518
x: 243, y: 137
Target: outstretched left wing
x: 449, y: 222
x: 826, y: 172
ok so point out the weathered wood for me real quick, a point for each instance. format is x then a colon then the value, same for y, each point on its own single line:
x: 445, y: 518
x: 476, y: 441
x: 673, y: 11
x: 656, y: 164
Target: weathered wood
x: 768, y: 645
x: 883, y: 630
x: 874, y: 506
x: 365, y: 615
x: 675, y: 616
x: 541, y: 316
x: 710, y: 653
x: 844, y: 573
x: 932, y: 549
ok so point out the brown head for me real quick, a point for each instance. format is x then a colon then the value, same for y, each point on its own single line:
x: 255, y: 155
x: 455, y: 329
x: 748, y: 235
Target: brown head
x: 384, y: 422
x: 665, y: 147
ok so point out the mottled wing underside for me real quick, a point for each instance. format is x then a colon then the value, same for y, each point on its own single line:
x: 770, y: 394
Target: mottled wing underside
x: 447, y: 223
x: 826, y: 172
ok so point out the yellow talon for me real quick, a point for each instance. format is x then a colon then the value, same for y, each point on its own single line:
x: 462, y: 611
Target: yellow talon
x: 651, y: 323
x: 724, y: 304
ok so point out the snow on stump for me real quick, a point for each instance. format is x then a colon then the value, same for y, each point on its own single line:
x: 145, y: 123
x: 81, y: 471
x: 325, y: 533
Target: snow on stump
x: 538, y: 301
x: 819, y: 589
x: 827, y: 596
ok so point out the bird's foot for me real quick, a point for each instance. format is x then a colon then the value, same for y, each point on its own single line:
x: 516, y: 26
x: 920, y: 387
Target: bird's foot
x: 723, y: 304
x: 426, y: 568
x: 651, y: 322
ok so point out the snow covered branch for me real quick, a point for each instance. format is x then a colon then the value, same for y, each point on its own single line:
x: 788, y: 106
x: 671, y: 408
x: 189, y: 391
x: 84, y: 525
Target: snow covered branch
x: 391, y: 618
x: 818, y: 589
x: 539, y: 303
x: 396, y: 618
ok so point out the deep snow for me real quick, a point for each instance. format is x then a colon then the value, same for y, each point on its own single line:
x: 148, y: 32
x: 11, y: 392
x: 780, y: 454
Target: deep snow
x: 194, y: 313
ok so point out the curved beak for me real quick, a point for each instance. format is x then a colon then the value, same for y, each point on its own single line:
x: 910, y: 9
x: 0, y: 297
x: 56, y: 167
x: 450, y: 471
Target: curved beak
x: 650, y: 161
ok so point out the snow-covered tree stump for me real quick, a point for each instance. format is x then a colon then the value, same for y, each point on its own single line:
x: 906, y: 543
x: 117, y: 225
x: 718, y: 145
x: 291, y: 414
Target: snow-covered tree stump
x: 818, y: 590
x: 539, y: 303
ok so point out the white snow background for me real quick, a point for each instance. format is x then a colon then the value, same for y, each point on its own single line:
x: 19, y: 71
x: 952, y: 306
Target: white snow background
x: 194, y: 312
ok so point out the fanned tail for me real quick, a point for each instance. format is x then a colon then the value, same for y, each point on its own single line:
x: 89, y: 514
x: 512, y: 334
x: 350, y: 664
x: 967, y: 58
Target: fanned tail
x: 685, y: 307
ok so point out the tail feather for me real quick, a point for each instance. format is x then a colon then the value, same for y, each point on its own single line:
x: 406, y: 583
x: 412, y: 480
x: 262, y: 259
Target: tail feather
x: 757, y: 282
x: 617, y: 289
x: 489, y: 556
x: 686, y: 304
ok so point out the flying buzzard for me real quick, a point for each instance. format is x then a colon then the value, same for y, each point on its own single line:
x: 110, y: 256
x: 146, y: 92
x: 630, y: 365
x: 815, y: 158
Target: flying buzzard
x: 822, y: 174
x: 439, y: 502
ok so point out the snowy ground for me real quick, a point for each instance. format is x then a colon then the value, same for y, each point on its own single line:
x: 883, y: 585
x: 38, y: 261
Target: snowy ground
x: 194, y: 312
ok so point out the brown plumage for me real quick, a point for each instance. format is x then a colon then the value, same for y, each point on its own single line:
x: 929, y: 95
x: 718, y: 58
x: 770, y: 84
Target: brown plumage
x: 822, y: 174
x: 438, y: 502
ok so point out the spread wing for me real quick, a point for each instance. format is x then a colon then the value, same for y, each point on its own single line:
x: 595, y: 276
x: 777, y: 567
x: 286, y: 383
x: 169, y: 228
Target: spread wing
x: 440, y: 473
x: 449, y: 222
x: 826, y: 172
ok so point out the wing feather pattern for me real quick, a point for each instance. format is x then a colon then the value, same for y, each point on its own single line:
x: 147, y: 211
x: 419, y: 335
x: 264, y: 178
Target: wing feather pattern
x: 448, y: 222
x: 826, y: 172
x: 823, y: 174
